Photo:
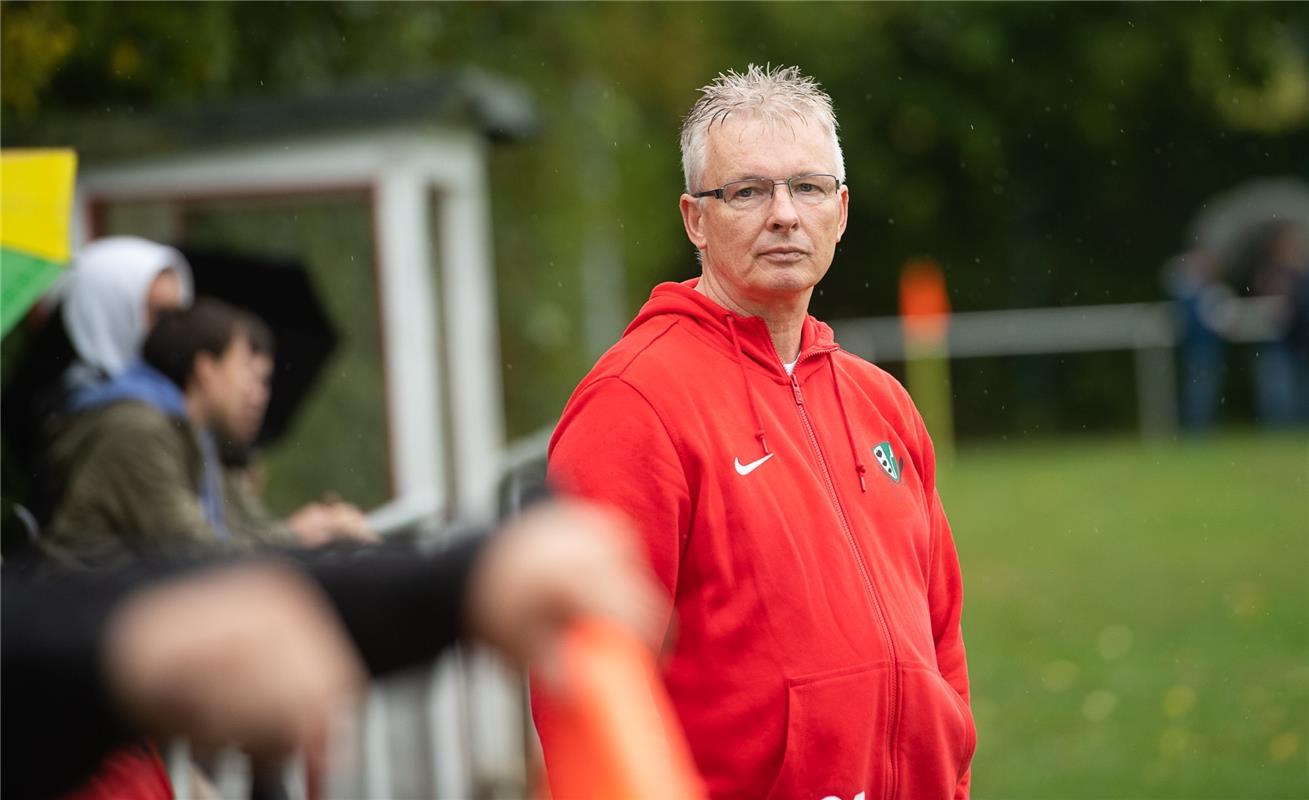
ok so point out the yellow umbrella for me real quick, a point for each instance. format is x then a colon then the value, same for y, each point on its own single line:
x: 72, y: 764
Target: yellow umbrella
x: 36, y: 203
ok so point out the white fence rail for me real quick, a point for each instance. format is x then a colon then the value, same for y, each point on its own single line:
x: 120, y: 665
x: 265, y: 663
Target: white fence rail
x: 1149, y: 330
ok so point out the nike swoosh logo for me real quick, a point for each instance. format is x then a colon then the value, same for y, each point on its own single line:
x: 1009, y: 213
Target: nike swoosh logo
x: 746, y: 469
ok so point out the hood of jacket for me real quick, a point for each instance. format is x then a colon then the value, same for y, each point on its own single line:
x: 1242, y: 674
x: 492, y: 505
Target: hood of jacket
x: 140, y: 382
x: 746, y: 337
x: 105, y: 297
x: 748, y: 341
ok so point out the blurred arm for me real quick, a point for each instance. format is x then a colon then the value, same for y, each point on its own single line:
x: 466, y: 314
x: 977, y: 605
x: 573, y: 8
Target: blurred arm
x: 58, y: 717
x: 260, y: 652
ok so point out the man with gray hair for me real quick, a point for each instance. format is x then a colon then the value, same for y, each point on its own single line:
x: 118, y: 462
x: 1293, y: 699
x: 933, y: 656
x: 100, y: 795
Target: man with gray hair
x: 784, y: 489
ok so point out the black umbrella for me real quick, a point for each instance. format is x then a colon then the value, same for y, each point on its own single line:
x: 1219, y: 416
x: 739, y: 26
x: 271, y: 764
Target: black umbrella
x: 281, y: 292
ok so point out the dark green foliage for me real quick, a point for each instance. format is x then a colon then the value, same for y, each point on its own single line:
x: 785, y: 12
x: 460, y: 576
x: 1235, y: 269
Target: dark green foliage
x: 1045, y: 154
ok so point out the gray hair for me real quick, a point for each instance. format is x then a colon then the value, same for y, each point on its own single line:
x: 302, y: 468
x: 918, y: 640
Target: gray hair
x: 773, y: 94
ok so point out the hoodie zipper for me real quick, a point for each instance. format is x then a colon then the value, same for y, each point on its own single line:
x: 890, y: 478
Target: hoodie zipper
x: 893, y: 724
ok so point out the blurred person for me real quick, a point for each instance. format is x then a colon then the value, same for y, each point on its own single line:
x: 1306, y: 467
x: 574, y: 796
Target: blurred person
x: 242, y: 479
x: 1297, y: 328
x: 137, y: 464
x: 1203, y: 311
x: 116, y: 290
x: 262, y: 652
x: 109, y: 299
x: 1281, y: 368
x: 785, y: 490
x: 244, y: 512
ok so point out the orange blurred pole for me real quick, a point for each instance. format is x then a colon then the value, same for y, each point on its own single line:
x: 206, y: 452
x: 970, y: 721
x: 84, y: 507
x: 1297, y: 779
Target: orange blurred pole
x: 925, y: 317
x: 617, y: 736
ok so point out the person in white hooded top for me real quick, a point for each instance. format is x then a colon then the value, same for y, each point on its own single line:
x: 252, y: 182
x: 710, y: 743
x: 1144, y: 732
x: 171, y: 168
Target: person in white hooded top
x: 107, y: 300
x: 113, y: 292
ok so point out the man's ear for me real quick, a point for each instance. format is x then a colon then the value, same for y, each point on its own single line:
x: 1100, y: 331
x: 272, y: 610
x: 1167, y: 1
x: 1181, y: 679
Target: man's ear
x: 845, y: 211
x: 693, y: 220
x: 202, y: 369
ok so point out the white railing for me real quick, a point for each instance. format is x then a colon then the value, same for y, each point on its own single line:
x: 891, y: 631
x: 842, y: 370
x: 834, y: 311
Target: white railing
x: 1149, y: 330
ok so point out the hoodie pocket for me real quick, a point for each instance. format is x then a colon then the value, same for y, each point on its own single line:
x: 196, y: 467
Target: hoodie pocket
x: 837, y: 729
x: 936, y: 738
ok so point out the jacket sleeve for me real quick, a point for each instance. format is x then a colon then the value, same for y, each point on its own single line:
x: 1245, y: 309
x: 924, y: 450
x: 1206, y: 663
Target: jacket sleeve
x: 944, y: 591
x: 59, y: 718
x: 612, y: 447
x: 248, y: 520
x: 400, y: 608
x: 135, y: 490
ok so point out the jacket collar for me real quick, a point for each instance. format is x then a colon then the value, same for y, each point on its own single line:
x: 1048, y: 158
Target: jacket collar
x: 140, y: 382
x: 710, y: 319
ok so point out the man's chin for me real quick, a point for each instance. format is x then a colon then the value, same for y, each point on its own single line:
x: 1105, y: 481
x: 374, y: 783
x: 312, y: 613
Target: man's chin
x: 789, y: 278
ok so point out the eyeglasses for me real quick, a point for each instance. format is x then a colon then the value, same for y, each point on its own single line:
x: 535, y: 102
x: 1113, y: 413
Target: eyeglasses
x: 752, y: 193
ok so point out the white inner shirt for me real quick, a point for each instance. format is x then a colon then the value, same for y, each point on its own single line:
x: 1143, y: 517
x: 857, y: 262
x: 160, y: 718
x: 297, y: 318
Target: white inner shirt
x: 789, y: 367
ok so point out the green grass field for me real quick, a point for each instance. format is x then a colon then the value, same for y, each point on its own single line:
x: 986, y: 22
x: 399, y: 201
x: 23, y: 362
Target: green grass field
x: 1137, y: 616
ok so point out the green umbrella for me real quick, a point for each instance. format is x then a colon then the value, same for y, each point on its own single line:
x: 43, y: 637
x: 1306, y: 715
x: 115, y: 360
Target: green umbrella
x: 36, y: 202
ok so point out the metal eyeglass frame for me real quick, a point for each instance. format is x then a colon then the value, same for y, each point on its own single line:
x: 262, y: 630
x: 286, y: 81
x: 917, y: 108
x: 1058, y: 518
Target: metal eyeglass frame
x: 721, y: 191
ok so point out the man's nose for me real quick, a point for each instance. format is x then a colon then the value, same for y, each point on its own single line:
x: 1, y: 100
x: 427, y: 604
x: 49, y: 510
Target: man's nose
x: 782, y: 214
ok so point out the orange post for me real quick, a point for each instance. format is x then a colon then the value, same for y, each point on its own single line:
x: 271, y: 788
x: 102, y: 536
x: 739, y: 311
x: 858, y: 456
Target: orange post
x: 925, y: 317
x: 617, y: 736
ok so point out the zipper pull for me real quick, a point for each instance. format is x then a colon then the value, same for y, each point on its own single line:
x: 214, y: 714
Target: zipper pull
x: 795, y: 387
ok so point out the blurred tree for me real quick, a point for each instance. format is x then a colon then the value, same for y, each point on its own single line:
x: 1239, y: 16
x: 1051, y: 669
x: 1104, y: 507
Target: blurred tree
x: 1044, y: 154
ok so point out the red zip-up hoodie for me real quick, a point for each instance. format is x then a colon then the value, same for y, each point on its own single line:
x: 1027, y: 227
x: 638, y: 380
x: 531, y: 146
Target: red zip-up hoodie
x: 795, y: 522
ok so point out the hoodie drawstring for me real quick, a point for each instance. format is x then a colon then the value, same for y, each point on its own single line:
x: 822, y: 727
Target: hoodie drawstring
x: 854, y: 449
x: 740, y: 363
x: 860, y: 469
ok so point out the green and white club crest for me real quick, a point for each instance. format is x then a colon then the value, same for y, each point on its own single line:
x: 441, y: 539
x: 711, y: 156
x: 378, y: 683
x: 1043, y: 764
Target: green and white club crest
x: 890, y: 464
